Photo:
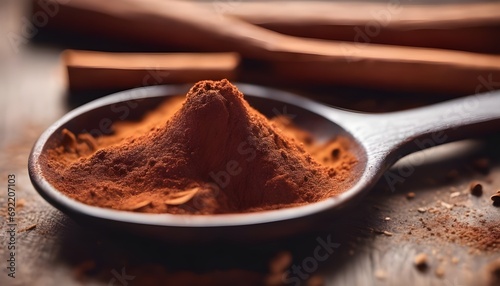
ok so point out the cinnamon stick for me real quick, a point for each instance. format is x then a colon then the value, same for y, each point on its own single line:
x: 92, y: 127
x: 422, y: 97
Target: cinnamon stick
x: 178, y: 24
x: 309, y: 60
x: 465, y: 26
x: 104, y: 70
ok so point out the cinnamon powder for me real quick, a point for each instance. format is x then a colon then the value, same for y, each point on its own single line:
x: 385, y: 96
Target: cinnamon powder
x: 211, y: 154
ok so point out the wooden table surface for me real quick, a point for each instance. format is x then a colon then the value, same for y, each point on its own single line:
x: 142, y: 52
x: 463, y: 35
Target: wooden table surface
x: 374, y: 243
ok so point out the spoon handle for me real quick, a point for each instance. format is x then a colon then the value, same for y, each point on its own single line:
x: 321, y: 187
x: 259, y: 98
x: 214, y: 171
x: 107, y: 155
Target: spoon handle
x: 400, y: 133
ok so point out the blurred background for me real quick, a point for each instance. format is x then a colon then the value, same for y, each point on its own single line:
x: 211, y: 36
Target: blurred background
x: 370, y: 56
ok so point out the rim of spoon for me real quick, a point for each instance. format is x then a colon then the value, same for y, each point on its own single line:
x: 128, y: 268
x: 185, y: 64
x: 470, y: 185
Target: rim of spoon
x: 67, y: 204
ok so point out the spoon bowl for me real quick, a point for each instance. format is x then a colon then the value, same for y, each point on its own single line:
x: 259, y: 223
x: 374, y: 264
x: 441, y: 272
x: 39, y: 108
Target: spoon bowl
x: 377, y: 140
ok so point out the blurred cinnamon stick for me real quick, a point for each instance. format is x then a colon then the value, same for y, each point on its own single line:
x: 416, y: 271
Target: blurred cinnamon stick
x: 296, y: 59
x: 176, y: 24
x: 396, y: 68
x: 465, y: 26
x: 88, y: 70
x: 387, y: 68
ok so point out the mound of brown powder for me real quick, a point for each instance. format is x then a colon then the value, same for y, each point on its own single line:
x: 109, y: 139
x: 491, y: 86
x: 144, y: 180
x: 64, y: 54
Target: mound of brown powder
x: 212, y: 154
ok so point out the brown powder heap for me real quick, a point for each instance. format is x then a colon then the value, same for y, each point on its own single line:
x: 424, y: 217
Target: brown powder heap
x: 214, y: 154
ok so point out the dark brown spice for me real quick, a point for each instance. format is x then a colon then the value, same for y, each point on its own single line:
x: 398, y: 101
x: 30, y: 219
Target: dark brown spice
x: 476, y: 189
x: 410, y: 195
x: 209, y: 154
x: 420, y: 261
x: 493, y: 272
x: 496, y: 198
x: 33, y: 226
x: 335, y: 153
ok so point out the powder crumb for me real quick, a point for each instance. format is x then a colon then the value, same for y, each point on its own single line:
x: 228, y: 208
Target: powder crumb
x: 478, y: 236
x: 476, y: 189
x: 420, y: 261
x: 21, y: 203
x: 181, y: 197
x: 316, y: 280
x: 33, y: 226
x: 387, y: 218
x: 410, y: 195
x: 387, y: 233
x: 454, y: 195
x: 433, y: 210
x: 496, y: 198
x: 446, y: 205
x: 139, y: 205
x: 440, y: 271
x: 422, y: 210
x: 493, y: 272
x: 380, y: 274
x: 280, y: 262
